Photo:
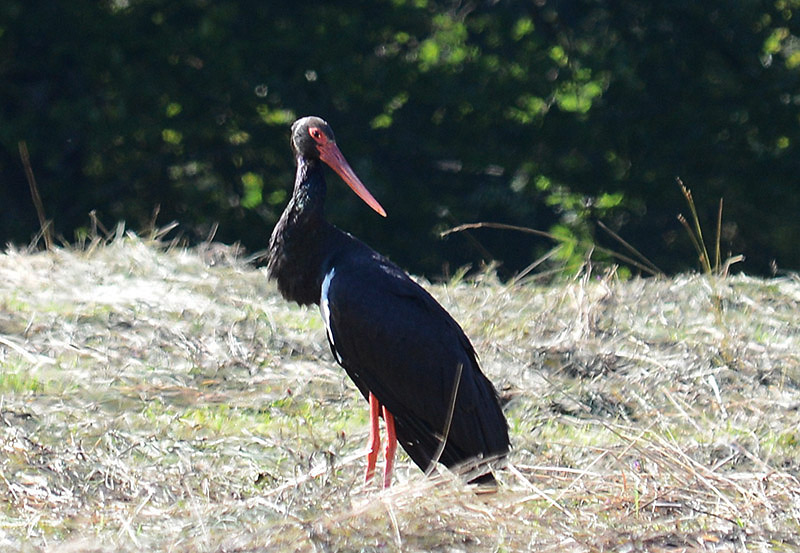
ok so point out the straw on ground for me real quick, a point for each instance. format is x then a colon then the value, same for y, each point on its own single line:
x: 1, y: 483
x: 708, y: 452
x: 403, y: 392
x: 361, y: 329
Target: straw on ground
x: 164, y: 399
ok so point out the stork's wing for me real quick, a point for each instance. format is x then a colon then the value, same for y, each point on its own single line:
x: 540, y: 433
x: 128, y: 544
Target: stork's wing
x: 396, y: 341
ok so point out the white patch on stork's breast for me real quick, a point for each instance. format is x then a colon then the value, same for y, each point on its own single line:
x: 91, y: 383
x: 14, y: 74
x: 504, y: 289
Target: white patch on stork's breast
x: 325, y: 309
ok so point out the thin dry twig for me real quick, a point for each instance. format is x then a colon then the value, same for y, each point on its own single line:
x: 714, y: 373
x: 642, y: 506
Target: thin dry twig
x: 500, y: 226
x: 447, y: 423
x: 44, y: 223
x: 650, y: 267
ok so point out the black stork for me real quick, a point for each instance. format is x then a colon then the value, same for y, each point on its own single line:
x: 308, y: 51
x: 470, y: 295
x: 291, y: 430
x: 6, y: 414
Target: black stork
x: 404, y: 352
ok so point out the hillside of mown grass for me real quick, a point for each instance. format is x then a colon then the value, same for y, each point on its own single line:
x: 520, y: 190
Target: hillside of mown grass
x: 155, y: 398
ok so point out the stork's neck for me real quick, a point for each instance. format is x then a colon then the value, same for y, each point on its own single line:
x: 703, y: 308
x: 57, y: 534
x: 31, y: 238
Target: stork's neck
x: 297, y: 247
x: 308, y: 198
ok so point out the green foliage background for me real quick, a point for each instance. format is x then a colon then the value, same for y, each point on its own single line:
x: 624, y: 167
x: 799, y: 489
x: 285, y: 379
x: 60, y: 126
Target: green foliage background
x: 551, y: 115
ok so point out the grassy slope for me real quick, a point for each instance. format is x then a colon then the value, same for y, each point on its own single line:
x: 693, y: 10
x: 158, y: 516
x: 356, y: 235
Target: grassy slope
x: 169, y: 400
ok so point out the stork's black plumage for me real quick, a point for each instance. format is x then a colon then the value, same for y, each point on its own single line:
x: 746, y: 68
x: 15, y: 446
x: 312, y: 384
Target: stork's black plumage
x: 392, y: 338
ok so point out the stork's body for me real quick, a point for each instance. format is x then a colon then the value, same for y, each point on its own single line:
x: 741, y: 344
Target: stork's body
x: 404, y: 352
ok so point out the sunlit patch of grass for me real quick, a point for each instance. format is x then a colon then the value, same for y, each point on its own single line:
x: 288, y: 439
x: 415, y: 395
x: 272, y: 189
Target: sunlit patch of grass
x: 12, y: 302
x: 218, y: 420
x: 19, y: 383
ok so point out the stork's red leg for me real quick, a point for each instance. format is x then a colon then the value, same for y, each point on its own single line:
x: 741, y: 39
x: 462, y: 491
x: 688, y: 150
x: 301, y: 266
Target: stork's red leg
x: 374, y: 445
x: 391, y: 447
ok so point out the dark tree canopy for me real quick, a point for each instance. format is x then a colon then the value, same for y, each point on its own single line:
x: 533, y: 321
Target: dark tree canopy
x: 554, y: 115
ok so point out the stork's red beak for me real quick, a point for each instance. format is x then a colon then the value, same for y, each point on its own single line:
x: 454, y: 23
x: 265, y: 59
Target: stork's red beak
x: 332, y: 156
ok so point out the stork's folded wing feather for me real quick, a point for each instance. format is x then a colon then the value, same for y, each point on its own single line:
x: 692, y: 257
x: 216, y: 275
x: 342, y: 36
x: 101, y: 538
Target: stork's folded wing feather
x: 396, y: 341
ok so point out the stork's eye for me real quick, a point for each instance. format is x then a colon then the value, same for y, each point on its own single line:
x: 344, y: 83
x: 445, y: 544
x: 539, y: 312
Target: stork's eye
x: 315, y: 133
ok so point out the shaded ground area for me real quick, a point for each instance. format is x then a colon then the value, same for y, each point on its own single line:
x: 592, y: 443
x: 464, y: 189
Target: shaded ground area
x: 154, y: 398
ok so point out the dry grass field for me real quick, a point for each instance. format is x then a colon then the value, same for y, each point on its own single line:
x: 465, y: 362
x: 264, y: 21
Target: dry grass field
x: 155, y: 398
